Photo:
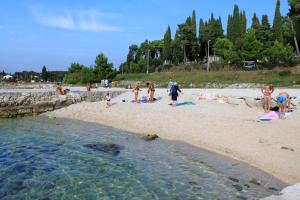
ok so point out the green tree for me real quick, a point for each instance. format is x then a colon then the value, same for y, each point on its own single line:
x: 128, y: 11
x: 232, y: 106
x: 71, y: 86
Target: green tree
x: 103, y: 69
x: 251, y: 47
x: 277, y: 23
x: 294, y: 13
x: 167, y: 46
x: 280, y: 54
x: 45, y: 74
x: 243, y: 23
x: 264, y: 33
x: 194, y: 23
x: 224, y: 48
x: 255, y: 22
x: 75, y: 68
x: 87, y: 75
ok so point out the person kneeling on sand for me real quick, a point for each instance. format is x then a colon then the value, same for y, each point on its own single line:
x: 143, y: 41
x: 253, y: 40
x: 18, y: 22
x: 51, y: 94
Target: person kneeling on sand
x: 60, y: 89
x: 267, y: 91
x: 283, y: 101
x: 174, y: 93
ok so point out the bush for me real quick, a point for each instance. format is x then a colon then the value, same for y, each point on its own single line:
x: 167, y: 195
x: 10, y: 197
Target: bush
x: 284, y: 73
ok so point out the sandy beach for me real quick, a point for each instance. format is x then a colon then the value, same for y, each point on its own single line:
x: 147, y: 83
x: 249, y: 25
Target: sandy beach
x: 229, y: 129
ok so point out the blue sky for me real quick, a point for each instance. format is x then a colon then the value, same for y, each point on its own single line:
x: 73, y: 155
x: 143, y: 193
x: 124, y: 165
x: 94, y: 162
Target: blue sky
x: 56, y: 33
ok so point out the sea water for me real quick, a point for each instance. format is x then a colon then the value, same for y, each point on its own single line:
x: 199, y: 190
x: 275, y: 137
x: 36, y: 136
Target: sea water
x: 43, y: 158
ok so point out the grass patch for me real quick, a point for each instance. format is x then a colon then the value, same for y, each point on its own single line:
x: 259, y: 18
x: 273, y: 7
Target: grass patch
x: 201, y: 78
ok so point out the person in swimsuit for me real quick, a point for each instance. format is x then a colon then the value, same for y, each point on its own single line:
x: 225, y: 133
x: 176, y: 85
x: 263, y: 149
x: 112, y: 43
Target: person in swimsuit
x: 107, y: 97
x: 283, y: 102
x: 151, y: 91
x: 60, y: 89
x: 136, y: 90
x: 267, y: 91
x: 174, y: 93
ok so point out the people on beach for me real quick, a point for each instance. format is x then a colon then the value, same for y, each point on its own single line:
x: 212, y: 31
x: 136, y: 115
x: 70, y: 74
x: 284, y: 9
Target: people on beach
x: 151, y: 90
x: 60, y: 89
x: 174, y: 93
x: 170, y: 84
x: 136, y: 90
x: 88, y: 87
x: 267, y: 91
x: 107, y: 98
x: 283, y: 102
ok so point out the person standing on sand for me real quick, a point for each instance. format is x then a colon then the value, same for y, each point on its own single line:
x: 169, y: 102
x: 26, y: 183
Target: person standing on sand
x: 174, y: 93
x: 267, y: 91
x: 136, y: 90
x: 283, y: 101
x: 151, y: 91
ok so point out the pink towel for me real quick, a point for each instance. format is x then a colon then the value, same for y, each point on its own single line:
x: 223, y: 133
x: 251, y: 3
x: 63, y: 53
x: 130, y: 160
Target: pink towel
x: 270, y: 116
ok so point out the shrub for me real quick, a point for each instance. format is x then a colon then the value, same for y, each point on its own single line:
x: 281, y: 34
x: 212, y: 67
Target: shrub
x: 284, y: 73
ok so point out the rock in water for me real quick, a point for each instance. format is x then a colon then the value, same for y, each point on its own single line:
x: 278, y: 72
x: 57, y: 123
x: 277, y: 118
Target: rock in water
x: 113, y: 149
x: 150, y: 137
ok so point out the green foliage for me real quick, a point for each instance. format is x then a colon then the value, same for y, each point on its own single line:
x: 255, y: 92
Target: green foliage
x: 277, y: 23
x: 284, y: 73
x: 294, y: 13
x: 251, y: 47
x: 87, y: 75
x: 255, y: 22
x: 75, y: 68
x: 45, y: 74
x: 103, y: 69
x: 280, y: 54
x: 167, y: 47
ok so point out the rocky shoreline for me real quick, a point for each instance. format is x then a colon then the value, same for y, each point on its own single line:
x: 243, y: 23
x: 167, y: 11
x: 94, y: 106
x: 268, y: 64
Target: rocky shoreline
x: 14, y: 104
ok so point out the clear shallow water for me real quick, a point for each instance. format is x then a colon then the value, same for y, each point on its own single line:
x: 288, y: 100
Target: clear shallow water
x: 43, y: 158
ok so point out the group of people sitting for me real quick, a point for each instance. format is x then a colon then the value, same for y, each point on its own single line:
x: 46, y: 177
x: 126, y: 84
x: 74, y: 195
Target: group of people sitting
x: 282, y: 99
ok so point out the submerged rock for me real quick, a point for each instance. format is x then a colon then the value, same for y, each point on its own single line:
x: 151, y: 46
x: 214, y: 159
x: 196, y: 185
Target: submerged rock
x: 150, y: 137
x: 113, y: 149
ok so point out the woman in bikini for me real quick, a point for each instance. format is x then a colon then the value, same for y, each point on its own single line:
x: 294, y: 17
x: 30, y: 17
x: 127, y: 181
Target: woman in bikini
x: 151, y: 91
x: 283, y: 101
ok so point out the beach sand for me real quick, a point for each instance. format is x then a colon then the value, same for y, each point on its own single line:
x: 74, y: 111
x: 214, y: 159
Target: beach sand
x: 228, y: 129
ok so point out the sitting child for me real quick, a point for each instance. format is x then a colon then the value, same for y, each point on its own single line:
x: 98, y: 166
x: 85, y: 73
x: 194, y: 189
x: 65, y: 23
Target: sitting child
x: 267, y: 91
x: 283, y: 101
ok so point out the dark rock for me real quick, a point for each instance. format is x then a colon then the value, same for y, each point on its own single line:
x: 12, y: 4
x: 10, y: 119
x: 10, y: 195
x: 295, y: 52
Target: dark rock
x: 255, y: 182
x: 150, y: 137
x: 238, y: 187
x: 113, y: 149
x: 233, y: 179
x: 272, y: 188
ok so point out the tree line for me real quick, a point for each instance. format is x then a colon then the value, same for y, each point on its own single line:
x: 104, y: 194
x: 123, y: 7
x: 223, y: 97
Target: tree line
x: 270, y: 45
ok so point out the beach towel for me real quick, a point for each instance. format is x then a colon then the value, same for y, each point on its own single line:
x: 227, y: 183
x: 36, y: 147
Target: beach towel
x: 183, y: 103
x: 273, y: 115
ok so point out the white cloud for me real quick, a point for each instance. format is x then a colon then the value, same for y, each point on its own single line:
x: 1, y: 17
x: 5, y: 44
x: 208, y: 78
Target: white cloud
x: 84, y: 20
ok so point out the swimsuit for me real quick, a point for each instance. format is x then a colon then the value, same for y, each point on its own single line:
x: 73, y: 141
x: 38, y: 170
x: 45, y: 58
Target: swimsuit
x: 281, y: 99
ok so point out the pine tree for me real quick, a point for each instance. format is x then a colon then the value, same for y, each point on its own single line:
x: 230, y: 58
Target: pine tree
x: 255, y: 22
x: 45, y: 74
x: 167, y: 48
x: 236, y: 25
x: 277, y: 23
x: 229, y: 28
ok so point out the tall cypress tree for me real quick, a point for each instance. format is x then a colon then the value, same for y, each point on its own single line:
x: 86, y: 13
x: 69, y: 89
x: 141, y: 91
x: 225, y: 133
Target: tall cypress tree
x: 229, y: 28
x: 277, y: 23
x: 167, y: 48
x: 235, y: 28
x: 243, y: 23
x: 194, y: 23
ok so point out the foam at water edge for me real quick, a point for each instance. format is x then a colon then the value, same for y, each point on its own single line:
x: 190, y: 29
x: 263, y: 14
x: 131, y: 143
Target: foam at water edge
x: 289, y: 193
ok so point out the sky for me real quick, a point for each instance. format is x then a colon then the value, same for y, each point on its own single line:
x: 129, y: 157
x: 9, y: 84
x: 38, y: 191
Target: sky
x: 56, y: 33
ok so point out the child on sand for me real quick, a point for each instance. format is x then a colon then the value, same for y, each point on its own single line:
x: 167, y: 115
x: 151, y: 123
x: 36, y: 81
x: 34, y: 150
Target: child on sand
x: 283, y: 101
x: 267, y: 91
x: 136, y: 90
x: 107, y: 97
x: 174, y: 93
x: 151, y: 91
